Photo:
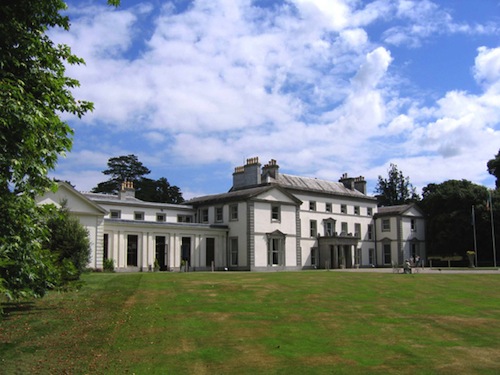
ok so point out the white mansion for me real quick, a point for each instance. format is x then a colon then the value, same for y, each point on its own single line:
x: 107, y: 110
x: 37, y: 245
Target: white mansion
x: 266, y: 221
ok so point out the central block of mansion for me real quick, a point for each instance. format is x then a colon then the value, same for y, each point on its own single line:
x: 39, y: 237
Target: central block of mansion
x: 267, y: 221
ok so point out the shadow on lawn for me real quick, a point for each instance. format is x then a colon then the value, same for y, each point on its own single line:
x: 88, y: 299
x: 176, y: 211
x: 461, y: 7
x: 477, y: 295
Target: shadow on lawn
x: 18, y: 308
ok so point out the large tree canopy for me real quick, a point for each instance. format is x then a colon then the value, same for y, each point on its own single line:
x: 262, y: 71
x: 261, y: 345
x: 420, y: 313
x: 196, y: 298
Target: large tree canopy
x: 129, y: 168
x: 396, y: 189
x: 120, y: 169
x: 34, y: 91
x: 448, y: 209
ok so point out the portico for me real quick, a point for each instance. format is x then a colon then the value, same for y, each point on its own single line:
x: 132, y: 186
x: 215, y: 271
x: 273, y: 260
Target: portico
x: 337, y: 251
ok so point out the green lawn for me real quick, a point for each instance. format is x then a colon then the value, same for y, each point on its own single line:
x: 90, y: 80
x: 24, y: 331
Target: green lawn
x: 259, y: 323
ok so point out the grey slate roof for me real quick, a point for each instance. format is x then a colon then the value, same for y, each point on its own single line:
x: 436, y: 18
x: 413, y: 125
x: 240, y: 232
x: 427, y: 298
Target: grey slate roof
x: 316, y: 185
x: 284, y: 182
x: 115, y: 199
x: 237, y: 195
x: 394, y: 210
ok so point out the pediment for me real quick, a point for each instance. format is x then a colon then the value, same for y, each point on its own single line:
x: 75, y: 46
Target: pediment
x: 76, y: 202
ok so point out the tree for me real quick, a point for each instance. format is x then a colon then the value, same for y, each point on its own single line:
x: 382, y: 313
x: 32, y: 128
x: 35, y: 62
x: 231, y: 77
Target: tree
x: 494, y: 169
x: 69, y: 243
x: 158, y: 191
x: 448, y: 209
x: 26, y: 267
x: 34, y: 91
x: 121, y: 168
x: 396, y: 189
x: 129, y: 168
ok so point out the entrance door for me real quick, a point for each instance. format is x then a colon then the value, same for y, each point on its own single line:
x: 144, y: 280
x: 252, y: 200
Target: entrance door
x: 210, y: 255
x: 186, y: 250
x: 132, y: 250
x: 161, y: 252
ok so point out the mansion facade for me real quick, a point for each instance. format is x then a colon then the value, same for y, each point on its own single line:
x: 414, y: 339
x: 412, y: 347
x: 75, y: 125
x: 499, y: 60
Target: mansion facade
x: 267, y: 221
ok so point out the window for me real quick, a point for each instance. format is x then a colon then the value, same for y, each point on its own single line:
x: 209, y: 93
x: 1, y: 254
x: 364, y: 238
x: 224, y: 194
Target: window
x: 357, y: 256
x: 356, y: 210
x: 313, y: 256
x: 233, y: 243
x: 115, y: 214
x: 218, y: 214
x: 386, y: 225
x: 233, y: 209
x: 413, y: 250
x: 312, y: 206
x: 328, y: 207
x: 160, y: 217
x: 275, y: 213
x: 204, y: 215
x: 344, y: 229
x: 210, y: 252
x: 370, y: 231
x: 313, y: 226
x: 138, y: 215
x: 161, y: 250
x: 276, y: 249
x: 387, y: 253
x: 413, y: 225
x: 132, y: 250
x: 105, y: 247
x: 369, y: 211
x: 329, y: 228
x: 343, y: 208
x: 371, y: 256
x: 357, y: 230
x: 184, y: 219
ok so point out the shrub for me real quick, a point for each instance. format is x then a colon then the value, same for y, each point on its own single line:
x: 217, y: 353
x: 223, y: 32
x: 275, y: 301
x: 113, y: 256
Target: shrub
x: 69, y: 243
x: 108, y: 265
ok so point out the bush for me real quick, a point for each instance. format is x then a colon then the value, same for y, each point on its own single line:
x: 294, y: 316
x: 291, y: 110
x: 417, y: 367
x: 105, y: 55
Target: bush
x: 68, y: 242
x: 108, y: 265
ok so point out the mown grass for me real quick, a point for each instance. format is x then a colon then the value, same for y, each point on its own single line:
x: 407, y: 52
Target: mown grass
x: 248, y: 323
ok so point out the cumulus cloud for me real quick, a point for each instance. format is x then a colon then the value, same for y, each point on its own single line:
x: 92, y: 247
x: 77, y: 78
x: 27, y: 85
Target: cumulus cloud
x: 487, y: 66
x: 301, y: 81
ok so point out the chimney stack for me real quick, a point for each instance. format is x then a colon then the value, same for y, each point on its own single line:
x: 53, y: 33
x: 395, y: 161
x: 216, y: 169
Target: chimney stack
x: 247, y: 175
x: 271, y: 169
x: 127, y: 190
x: 354, y: 183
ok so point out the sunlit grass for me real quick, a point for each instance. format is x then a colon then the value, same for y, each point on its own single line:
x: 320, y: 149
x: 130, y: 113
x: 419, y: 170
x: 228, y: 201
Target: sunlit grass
x: 293, y: 323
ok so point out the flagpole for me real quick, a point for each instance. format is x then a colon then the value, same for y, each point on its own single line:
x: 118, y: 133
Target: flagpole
x: 474, y: 229
x: 492, y: 230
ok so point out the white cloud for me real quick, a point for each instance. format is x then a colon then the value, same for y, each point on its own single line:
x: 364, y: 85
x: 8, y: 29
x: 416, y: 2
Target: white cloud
x: 302, y: 82
x: 487, y: 66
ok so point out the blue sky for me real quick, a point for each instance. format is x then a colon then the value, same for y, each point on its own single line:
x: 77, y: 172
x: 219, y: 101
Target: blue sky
x: 194, y: 88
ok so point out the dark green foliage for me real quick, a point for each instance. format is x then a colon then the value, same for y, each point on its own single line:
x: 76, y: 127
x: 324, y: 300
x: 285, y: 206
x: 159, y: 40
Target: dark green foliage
x: 158, y: 191
x: 129, y: 168
x: 396, y: 189
x: 33, y: 92
x: 448, y: 209
x: 108, y: 265
x: 494, y: 168
x: 68, y: 241
x: 26, y: 268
